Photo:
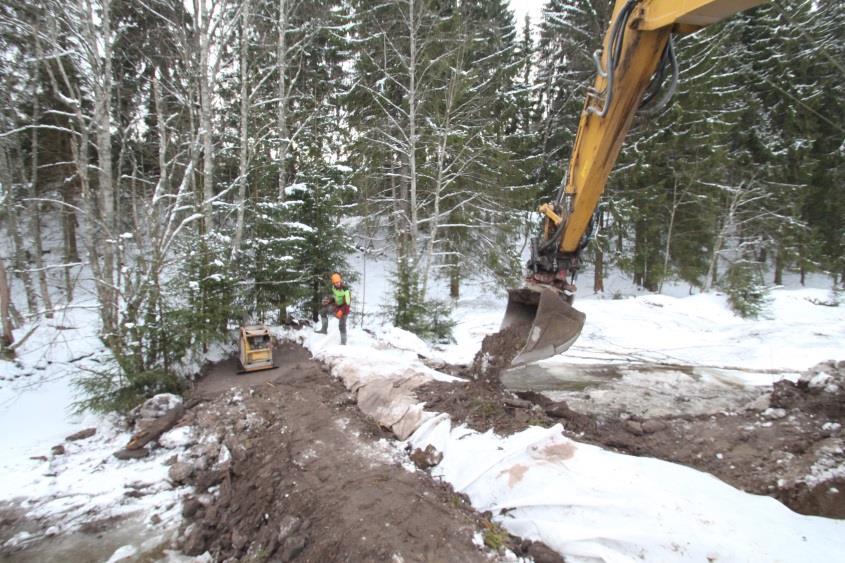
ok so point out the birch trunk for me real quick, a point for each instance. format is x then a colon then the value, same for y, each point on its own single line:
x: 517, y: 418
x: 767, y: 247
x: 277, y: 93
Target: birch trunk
x: 243, y: 160
x: 7, y: 337
x: 71, y: 250
x: 440, y: 179
x: 205, y: 116
x: 91, y: 235
x: 672, y: 212
x: 412, y: 125
x: 35, y: 216
x: 282, y: 107
x: 727, y: 224
x: 712, y: 268
x: 19, y: 261
x: 102, y: 122
x: 435, y: 218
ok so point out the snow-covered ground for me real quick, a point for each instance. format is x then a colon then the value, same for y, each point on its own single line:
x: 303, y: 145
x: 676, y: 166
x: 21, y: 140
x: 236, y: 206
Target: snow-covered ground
x: 82, y: 483
x: 579, y: 499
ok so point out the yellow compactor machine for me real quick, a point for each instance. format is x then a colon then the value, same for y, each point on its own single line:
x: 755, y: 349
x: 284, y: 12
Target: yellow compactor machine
x: 256, y: 348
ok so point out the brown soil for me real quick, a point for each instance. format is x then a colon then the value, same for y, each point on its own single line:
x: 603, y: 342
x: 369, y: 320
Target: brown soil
x: 311, y: 478
x: 497, y: 351
x: 774, y: 452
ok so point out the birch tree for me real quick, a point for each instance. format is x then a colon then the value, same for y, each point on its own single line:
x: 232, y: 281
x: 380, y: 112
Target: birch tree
x: 245, y: 102
x: 76, y: 48
x: 393, y: 84
x: 13, y: 129
x: 486, y: 188
x: 6, y: 338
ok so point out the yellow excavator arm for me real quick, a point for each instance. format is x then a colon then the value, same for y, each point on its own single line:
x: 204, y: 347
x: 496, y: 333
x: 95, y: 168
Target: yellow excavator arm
x: 643, y: 30
x: 637, y: 56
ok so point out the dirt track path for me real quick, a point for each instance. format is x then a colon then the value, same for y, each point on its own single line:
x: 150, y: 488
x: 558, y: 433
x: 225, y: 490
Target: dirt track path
x: 311, y: 478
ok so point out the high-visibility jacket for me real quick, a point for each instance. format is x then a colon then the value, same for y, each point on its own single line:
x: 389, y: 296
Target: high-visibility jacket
x: 342, y: 295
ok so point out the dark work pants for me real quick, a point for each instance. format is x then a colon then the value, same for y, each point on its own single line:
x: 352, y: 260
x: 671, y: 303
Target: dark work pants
x: 331, y: 309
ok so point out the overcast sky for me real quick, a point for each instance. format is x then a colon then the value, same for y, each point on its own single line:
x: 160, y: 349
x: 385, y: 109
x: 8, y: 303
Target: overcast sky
x: 531, y: 7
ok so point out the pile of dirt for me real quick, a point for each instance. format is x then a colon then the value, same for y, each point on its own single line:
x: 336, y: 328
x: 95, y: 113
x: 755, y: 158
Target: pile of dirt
x: 820, y: 392
x: 497, y: 351
x: 789, y: 444
x: 288, y: 468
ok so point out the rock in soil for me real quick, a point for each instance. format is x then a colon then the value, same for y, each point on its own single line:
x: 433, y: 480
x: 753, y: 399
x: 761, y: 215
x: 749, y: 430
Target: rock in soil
x: 288, y: 526
x: 634, y: 427
x: 540, y: 552
x: 82, y: 434
x: 293, y: 546
x: 653, y: 425
x: 427, y: 458
x: 132, y: 454
x: 180, y: 472
x: 191, y: 507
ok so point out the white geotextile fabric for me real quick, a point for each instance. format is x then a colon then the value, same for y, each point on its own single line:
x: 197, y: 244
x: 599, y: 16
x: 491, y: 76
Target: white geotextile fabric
x: 589, y: 504
x: 389, y: 399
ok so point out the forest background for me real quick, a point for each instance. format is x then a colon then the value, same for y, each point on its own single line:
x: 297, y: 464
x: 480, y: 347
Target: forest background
x: 198, y: 164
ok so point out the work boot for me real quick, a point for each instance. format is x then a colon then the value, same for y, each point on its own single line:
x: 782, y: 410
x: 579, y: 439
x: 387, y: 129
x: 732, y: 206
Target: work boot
x: 323, y: 329
x: 343, y: 338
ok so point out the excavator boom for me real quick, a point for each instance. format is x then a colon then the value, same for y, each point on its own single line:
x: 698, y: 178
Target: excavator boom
x: 634, y: 46
x: 636, y: 57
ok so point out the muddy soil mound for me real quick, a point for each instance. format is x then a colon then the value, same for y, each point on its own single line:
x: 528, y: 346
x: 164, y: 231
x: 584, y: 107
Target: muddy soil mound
x: 289, y: 469
x: 789, y: 445
x: 820, y: 391
x: 497, y: 351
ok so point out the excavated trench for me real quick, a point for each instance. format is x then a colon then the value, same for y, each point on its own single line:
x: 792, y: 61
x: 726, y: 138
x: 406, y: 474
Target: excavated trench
x: 308, y: 477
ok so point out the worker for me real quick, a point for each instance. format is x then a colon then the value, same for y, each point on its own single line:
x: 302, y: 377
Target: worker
x: 337, y: 304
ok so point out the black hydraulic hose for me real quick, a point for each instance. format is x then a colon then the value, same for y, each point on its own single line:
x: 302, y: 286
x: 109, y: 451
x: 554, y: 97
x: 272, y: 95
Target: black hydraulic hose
x: 648, y: 107
x: 619, y: 30
x: 554, y: 239
x: 656, y: 80
x: 617, y: 36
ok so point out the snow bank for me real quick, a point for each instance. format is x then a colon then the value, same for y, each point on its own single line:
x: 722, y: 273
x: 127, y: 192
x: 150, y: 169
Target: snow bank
x: 701, y: 329
x: 71, y: 482
x: 796, y: 333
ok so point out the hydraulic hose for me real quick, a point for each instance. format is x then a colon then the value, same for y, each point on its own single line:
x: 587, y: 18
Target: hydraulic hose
x: 614, y: 52
x: 648, y: 107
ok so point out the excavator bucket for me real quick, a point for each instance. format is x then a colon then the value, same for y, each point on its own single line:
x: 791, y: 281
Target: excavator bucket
x: 546, y: 322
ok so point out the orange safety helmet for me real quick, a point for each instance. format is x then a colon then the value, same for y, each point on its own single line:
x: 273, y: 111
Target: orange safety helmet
x: 336, y: 279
